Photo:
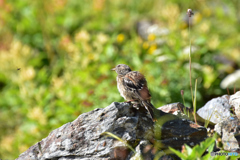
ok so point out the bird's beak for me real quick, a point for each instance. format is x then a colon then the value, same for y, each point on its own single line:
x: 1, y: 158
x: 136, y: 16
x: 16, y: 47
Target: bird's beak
x: 113, y: 69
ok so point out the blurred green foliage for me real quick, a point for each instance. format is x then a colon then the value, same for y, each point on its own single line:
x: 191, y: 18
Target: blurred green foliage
x: 56, y: 56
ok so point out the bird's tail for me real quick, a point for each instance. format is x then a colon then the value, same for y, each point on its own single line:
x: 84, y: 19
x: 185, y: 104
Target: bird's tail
x: 150, y: 109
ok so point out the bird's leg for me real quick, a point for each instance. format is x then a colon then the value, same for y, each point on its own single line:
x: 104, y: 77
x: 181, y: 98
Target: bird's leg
x: 137, y: 105
x: 134, y: 102
x: 130, y: 101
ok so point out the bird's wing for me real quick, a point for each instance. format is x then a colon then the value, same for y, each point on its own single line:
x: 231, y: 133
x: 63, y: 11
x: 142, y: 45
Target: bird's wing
x: 135, y: 82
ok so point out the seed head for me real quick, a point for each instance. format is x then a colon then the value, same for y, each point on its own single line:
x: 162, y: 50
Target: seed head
x: 182, y: 92
x: 190, y: 12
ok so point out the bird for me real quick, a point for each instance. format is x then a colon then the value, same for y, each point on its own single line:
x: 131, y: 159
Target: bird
x: 132, y: 86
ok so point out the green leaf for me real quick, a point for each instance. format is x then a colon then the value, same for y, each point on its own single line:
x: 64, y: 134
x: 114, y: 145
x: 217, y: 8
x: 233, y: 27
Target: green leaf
x: 189, y: 149
x: 118, y: 138
x: 179, y: 154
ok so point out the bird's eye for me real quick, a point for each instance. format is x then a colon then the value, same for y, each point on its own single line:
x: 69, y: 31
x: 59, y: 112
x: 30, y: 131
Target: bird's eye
x: 118, y: 65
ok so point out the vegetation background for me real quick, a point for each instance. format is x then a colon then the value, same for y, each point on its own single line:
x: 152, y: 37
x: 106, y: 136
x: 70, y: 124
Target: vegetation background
x: 56, y: 56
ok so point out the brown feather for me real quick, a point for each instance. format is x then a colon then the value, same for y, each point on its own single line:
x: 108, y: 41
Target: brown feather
x: 132, y: 86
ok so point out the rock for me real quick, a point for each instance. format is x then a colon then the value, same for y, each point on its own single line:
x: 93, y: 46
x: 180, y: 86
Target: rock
x: 232, y: 80
x: 142, y: 28
x: 229, y: 64
x: 183, y: 112
x: 176, y: 132
x: 230, y: 133
x: 177, y: 109
x: 216, y: 109
x: 234, y: 101
x: 85, y: 137
x: 146, y: 151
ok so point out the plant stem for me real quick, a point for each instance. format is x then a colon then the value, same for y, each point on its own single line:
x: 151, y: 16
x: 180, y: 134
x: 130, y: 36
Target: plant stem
x: 190, y: 61
x: 195, y: 102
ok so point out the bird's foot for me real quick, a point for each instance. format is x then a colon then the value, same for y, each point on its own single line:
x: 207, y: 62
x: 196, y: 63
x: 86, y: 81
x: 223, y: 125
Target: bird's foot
x: 127, y: 101
x: 137, y: 105
x: 130, y: 101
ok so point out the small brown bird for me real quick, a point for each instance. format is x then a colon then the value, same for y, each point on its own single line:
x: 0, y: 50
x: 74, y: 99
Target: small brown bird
x: 132, y: 86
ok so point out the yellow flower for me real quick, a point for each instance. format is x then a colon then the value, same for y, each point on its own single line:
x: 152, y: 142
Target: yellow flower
x: 27, y: 74
x: 145, y: 45
x: 197, y: 18
x: 57, y: 82
x: 82, y: 35
x: 235, y: 53
x: 98, y: 5
x: 120, y: 38
x: 204, y: 27
x: 102, y: 38
x: 209, y: 76
x: 23, y: 148
x: 184, y: 34
x: 214, y: 42
x: 152, y: 49
x: 170, y: 12
x: 151, y: 37
x: 37, y: 114
x: 7, y: 142
x: 91, y: 56
x: 207, y: 12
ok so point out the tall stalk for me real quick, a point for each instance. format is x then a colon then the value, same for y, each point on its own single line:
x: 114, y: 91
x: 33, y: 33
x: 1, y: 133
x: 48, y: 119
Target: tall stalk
x: 190, y: 13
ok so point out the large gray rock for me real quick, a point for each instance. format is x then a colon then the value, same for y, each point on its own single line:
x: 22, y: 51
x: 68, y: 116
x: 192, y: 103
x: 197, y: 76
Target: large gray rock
x: 232, y: 80
x: 234, y: 101
x: 229, y: 132
x: 84, y: 138
x: 216, y: 110
x: 183, y: 112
